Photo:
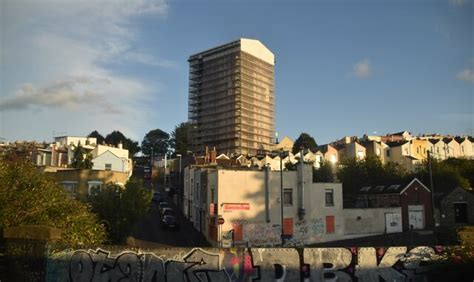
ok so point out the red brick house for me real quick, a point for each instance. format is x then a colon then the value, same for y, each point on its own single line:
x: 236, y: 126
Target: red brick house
x: 414, y: 199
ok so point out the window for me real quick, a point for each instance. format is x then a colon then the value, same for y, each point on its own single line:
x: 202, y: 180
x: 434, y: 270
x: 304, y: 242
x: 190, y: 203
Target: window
x: 70, y: 187
x: 329, y: 197
x: 288, y: 197
x: 388, y: 153
x: 108, y: 166
x: 94, y: 187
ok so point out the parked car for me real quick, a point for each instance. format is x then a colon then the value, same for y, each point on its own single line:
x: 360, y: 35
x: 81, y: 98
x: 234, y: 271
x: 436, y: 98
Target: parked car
x: 163, y: 205
x: 157, y: 197
x: 146, y: 172
x: 169, y: 222
x: 168, y: 211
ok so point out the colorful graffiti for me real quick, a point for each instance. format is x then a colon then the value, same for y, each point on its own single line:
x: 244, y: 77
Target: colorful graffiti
x: 243, y: 264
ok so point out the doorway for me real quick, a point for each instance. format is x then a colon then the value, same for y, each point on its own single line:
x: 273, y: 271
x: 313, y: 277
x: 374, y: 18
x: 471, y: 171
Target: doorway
x: 460, y: 212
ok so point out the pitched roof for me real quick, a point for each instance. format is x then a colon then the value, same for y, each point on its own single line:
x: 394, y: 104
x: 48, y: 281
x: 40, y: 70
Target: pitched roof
x: 390, y: 189
x: 396, y: 143
x: 434, y: 141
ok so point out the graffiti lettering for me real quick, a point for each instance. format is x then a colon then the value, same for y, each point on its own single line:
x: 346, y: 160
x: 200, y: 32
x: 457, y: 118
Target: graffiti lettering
x: 245, y: 264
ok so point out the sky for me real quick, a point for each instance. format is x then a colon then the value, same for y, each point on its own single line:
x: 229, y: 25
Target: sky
x: 342, y: 67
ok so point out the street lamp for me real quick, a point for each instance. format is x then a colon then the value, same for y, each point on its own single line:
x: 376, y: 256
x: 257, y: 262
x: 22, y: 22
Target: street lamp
x: 179, y: 181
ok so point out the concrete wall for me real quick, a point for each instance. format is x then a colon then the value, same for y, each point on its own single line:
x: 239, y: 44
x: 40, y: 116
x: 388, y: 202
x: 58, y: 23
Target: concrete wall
x: 32, y: 254
x: 363, y: 222
x: 242, y: 200
x: 246, y: 264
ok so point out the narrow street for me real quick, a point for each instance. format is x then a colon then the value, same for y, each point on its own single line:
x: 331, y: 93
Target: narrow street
x: 149, y: 234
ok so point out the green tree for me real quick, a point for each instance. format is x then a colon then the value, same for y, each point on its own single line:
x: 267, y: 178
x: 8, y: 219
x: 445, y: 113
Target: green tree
x: 116, y: 137
x: 158, y: 140
x: 81, y: 158
x: 446, y: 175
x: 354, y: 173
x: 28, y: 197
x: 306, y: 141
x: 121, y: 208
x: 179, y: 139
x: 98, y: 136
x: 324, y: 173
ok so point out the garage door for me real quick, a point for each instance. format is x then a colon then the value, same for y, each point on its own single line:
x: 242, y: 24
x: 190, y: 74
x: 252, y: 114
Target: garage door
x: 416, y: 218
x: 393, y: 223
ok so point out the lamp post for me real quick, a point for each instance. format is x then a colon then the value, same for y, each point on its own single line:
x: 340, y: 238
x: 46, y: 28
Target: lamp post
x: 179, y: 181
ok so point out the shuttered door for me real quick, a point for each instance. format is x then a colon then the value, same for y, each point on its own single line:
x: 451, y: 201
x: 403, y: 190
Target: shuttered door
x: 330, y: 224
x: 288, y: 226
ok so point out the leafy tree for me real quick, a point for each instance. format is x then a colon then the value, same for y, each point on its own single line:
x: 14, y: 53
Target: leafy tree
x: 98, y: 136
x: 121, y: 208
x: 28, y: 197
x: 179, y: 139
x: 465, y: 168
x: 324, y: 173
x: 304, y: 140
x: 79, y: 161
x: 446, y: 176
x: 354, y: 173
x: 156, y: 139
x: 117, y: 137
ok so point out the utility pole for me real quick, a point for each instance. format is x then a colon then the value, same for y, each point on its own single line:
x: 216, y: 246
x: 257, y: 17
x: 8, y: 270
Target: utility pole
x: 432, y: 191
x: 281, y: 199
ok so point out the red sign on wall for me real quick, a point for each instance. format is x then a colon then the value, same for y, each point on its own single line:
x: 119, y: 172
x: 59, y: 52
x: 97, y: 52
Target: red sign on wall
x: 236, y: 207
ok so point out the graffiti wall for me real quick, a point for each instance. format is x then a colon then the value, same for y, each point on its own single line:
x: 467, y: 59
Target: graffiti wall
x: 246, y: 264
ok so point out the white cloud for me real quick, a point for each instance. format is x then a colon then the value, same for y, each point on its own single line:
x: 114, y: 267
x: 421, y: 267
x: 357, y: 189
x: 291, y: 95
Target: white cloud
x: 459, y: 2
x: 59, y: 57
x: 466, y: 75
x: 362, y: 69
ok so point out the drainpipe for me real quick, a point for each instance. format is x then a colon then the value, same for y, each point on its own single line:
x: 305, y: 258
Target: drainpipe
x: 267, y: 193
x: 301, y: 210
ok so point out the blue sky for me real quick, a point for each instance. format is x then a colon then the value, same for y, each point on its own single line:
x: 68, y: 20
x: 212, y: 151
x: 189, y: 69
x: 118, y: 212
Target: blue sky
x: 342, y: 67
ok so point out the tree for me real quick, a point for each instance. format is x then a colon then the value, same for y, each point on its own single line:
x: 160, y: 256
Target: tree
x: 324, y: 173
x: 156, y: 139
x: 116, y: 137
x: 179, y: 139
x: 306, y: 141
x: 355, y: 174
x: 98, y: 136
x: 121, y: 208
x: 79, y: 161
x: 446, y: 176
x: 28, y: 197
